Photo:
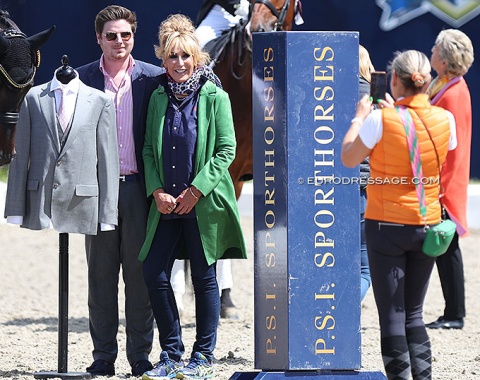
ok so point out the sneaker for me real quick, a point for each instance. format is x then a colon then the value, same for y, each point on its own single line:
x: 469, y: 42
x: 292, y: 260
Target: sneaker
x: 166, y: 368
x: 199, y: 368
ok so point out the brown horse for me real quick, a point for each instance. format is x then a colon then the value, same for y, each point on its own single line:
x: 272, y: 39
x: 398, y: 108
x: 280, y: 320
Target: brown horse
x: 234, y: 68
x: 19, y: 59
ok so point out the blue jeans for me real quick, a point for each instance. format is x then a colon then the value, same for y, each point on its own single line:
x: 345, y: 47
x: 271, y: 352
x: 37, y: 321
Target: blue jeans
x: 157, y: 269
x: 364, y: 267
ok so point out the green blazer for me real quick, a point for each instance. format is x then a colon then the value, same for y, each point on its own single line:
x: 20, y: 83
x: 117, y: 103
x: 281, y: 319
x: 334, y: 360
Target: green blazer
x: 217, y: 211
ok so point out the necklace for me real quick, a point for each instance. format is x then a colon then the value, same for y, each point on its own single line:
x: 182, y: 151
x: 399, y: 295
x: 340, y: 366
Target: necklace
x: 180, y: 96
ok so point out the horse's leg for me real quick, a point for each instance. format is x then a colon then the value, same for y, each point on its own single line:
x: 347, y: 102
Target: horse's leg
x: 234, y: 170
x: 240, y: 170
x: 7, y: 134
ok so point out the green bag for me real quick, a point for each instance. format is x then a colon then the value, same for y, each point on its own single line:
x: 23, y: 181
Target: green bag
x: 438, y: 238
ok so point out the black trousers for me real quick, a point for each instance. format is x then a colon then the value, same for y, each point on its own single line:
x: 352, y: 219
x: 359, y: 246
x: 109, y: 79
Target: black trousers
x: 400, y: 274
x: 450, y: 271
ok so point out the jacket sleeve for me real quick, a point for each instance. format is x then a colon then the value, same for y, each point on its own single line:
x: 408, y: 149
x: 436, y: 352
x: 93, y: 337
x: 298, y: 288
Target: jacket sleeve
x: 107, y: 166
x: 456, y: 158
x: 228, y: 5
x: 224, y: 145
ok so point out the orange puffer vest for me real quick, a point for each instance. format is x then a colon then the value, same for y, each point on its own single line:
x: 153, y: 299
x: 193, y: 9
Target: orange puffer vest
x: 391, y: 187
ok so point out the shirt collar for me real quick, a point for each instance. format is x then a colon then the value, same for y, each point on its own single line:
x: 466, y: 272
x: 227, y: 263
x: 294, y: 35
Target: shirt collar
x: 71, y: 86
x: 131, y: 65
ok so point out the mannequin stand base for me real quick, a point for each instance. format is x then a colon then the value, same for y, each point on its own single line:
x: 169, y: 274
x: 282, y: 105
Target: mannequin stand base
x: 62, y: 375
x: 308, y: 375
x: 63, y: 320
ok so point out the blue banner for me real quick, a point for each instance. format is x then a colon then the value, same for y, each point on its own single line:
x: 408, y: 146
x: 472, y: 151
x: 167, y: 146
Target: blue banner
x: 384, y: 27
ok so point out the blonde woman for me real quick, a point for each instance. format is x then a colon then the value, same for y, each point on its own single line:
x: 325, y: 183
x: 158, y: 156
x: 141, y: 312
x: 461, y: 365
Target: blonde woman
x: 452, y: 56
x: 365, y: 70
x: 365, y: 64
x: 396, y: 216
x: 189, y: 145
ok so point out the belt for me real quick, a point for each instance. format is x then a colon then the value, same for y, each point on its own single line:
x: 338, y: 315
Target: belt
x: 129, y: 177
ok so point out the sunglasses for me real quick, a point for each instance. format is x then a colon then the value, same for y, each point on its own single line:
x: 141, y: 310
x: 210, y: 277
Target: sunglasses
x: 111, y: 36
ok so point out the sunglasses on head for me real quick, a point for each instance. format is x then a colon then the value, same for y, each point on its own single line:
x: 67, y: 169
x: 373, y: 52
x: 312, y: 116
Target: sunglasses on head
x: 111, y: 36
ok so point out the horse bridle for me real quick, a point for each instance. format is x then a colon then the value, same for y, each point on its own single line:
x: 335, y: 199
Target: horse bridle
x: 12, y: 117
x: 281, y: 16
x: 278, y: 26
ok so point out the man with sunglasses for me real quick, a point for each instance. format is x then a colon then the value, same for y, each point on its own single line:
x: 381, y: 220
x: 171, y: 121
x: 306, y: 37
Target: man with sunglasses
x: 130, y: 83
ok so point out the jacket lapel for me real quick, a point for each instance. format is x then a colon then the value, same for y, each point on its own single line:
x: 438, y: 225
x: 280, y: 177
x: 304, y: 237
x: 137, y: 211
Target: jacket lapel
x: 95, y: 77
x: 46, y: 101
x: 205, y: 110
x: 159, y: 138
x: 138, y: 90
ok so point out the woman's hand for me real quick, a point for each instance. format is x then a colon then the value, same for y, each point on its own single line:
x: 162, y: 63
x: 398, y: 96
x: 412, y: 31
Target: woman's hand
x: 364, y: 107
x: 387, y: 103
x: 165, y: 202
x: 354, y: 150
x: 187, y: 200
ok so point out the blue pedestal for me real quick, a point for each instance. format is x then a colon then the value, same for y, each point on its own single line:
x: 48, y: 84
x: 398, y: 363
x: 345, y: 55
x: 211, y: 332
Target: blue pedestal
x: 306, y: 207
x: 309, y: 375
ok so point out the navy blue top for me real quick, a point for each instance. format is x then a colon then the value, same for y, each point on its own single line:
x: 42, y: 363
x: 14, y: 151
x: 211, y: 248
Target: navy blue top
x: 179, y: 145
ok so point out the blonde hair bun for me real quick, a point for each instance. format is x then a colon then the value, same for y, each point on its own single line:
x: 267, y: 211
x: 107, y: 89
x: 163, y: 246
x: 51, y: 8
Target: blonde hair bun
x: 417, y: 79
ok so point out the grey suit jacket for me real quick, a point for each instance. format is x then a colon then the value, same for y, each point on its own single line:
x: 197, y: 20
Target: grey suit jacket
x: 74, y: 187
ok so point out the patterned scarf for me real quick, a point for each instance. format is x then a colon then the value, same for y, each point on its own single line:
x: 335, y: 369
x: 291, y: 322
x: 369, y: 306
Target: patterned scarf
x: 192, y: 83
x: 438, y: 84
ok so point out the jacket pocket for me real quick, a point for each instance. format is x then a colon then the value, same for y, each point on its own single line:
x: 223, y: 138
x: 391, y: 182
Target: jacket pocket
x: 88, y: 127
x: 86, y: 190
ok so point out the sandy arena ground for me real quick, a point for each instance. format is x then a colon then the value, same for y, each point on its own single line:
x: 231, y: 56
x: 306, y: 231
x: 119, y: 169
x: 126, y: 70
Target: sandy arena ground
x: 29, y: 313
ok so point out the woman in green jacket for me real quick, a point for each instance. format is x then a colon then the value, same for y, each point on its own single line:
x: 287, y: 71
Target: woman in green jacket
x: 189, y: 145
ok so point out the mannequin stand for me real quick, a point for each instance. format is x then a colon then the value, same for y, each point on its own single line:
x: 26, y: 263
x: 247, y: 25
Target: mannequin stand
x: 62, y: 320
